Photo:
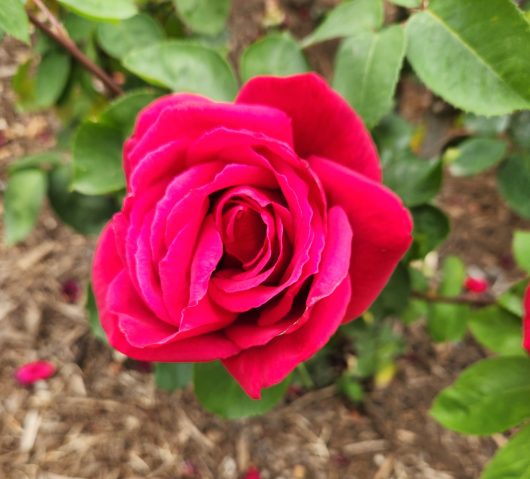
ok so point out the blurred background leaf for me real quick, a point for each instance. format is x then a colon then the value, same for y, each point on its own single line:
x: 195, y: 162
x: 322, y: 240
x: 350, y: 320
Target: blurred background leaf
x: 274, y: 54
x: 182, y: 66
x: 218, y: 392
x: 367, y: 69
x: 472, y: 64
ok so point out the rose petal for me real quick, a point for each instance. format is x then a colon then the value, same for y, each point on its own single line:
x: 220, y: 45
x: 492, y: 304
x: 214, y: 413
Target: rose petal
x: 381, y: 229
x: 252, y: 473
x: 30, y: 373
x: 333, y: 269
x: 296, y: 183
x: 207, y: 255
x: 152, y: 111
x: 262, y: 367
x: 185, y: 122
x: 323, y: 123
x: 106, y: 267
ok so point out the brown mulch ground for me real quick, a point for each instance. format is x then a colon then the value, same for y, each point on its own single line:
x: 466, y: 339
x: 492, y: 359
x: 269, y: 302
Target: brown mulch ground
x: 100, y: 417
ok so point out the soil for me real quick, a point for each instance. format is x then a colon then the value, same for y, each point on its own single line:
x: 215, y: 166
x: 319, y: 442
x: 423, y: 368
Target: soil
x: 101, y: 416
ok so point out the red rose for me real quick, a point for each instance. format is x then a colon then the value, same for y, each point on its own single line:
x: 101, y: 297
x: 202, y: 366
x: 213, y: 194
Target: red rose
x: 250, y: 231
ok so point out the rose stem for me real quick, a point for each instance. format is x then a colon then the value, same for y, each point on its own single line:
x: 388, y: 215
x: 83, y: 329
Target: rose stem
x: 306, y: 378
x: 472, y: 301
x: 60, y: 36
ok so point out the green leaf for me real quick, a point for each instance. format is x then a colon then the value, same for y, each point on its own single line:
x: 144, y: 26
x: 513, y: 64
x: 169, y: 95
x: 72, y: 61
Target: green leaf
x: 204, y: 16
x: 121, y: 38
x: 414, y: 179
x: 407, y: 3
x: 121, y: 114
x: 351, y: 388
x: 93, y: 316
x: 367, y: 71
x: 346, y: 19
x: 376, y: 344
x: 514, y: 183
x: 45, y: 87
x: 183, y: 66
x: 448, y: 322
x: 80, y: 29
x: 86, y: 214
x: 22, y: 202
x: 51, y: 79
x: 497, y: 330
x: 431, y: 228
x: 23, y: 84
x: 173, y: 376
x: 475, y: 68
x: 521, y: 249
x: 218, y: 392
x: 490, y: 396
x: 453, y: 276
x: 394, y: 299
x: 392, y: 135
x: 415, y: 310
x: 13, y: 20
x: 512, y: 300
x: 275, y: 54
x: 102, y: 10
x: 43, y: 161
x: 512, y: 461
x: 476, y: 155
x: 486, y: 125
x: 520, y: 129
x: 97, y: 160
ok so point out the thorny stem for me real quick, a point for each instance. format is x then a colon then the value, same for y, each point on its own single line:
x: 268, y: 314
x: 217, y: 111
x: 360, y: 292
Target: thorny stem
x: 479, y: 302
x: 59, y: 35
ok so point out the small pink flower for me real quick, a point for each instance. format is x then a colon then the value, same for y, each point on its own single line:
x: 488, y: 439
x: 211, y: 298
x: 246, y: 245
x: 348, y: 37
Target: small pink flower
x: 476, y: 285
x: 30, y: 373
x: 252, y: 473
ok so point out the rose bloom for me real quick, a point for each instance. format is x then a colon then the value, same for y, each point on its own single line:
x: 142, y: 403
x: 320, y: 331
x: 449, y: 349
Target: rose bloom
x: 526, y: 327
x: 250, y: 231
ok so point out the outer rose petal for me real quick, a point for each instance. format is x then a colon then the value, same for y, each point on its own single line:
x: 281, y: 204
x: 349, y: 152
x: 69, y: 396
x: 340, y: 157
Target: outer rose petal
x: 107, y: 265
x: 323, y: 123
x: 151, y: 113
x: 262, y: 367
x: 526, y: 327
x: 188, y: 121
x: 381, y: 229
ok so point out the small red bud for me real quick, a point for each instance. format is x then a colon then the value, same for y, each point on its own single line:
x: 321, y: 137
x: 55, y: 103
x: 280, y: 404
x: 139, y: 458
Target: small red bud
x: 476, y: 285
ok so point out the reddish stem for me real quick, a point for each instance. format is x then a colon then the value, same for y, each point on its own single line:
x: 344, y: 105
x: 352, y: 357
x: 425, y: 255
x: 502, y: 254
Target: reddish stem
x: 66, y: 42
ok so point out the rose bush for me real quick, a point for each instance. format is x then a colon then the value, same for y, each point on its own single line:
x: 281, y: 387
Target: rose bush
x: 250, y: 231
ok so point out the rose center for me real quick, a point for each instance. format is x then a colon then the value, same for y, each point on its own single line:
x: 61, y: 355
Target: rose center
x: 243, y: 232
